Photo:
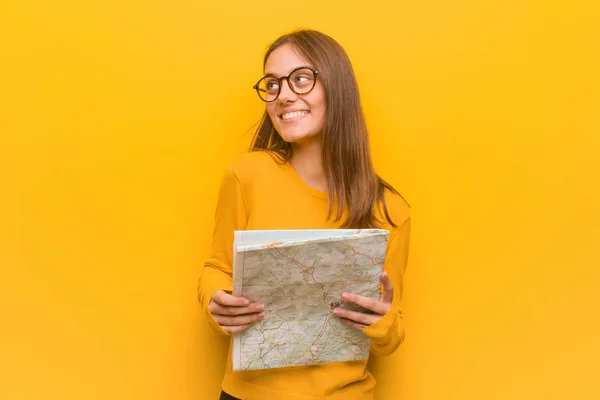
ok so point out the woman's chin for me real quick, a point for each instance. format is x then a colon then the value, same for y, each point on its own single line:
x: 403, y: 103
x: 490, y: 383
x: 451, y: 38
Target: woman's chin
x: 298, y: 137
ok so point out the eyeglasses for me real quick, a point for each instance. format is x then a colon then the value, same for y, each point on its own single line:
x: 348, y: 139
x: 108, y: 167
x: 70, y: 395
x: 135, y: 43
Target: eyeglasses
x: 301, y: 80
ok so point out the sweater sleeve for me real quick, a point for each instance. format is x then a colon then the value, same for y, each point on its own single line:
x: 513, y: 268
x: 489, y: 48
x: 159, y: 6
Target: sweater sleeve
x: 387, y: 334
x: 230, y: 215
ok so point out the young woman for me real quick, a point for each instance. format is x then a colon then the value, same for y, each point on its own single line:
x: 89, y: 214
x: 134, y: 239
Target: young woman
x: 309, y: 167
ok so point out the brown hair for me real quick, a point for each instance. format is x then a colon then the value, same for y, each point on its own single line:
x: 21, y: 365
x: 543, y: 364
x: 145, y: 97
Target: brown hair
x: 351, y: 180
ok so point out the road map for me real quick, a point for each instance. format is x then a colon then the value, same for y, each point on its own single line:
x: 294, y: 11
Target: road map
x: 299, y: 276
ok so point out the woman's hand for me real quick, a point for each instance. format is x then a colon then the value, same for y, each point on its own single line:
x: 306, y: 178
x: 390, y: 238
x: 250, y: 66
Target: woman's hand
x: 234, y: 314
x: 379, y: 308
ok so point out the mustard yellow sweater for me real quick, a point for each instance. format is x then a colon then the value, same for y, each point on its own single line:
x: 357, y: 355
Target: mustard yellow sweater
x: 258, y: 193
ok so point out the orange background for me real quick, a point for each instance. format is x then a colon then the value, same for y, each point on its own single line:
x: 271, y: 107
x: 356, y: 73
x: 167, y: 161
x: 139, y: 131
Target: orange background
x: 117, y: 119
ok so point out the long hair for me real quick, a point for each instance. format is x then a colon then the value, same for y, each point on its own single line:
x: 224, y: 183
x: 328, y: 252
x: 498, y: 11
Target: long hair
x: 352, y: 183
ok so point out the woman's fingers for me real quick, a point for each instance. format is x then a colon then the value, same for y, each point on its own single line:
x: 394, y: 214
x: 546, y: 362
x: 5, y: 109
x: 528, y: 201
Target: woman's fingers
x: 358, y: 317
x: 216, y: 309
x: 234, y: 314
x: 353, y: 324
x: 360, y: 320
x: 234, y: 329
x: 223, y: 298
x: 246, y: 319
x: 388, y: 289
x: 372, y: 305
x: 223, y: 303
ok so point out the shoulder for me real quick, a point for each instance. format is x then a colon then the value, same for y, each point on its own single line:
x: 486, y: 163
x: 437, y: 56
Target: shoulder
x: 251, y: 163
x: 249, y: 169
x: 253, y: 159
x: 397, y: 207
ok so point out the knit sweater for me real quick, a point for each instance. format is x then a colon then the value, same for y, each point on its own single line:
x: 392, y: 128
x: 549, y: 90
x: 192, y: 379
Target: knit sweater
x: 257, y: 192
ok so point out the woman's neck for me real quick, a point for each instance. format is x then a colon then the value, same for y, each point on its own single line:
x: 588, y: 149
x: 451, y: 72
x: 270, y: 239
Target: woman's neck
x: 307, y: 162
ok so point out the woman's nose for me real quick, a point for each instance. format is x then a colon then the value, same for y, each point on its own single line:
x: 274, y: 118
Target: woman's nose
x: 286, y: 94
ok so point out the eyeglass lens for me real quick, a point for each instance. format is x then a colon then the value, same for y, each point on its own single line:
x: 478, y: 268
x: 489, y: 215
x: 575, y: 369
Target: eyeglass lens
x: 301, y: 81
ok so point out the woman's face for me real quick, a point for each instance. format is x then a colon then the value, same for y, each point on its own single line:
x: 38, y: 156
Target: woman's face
x: 298, y: 118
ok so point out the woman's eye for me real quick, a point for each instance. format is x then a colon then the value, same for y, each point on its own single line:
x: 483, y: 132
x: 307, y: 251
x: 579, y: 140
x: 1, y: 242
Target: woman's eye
x: 302, y: 78
x: 273, y: 85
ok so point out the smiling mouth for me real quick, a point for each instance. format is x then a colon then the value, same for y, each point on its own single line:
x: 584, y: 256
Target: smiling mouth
x: 291, y: 116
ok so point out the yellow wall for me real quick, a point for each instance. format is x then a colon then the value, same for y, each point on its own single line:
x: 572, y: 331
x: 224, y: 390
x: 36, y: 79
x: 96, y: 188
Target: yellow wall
x: 117, y: 118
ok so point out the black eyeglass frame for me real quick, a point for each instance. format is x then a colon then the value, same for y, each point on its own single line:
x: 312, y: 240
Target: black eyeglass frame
x: 287, y: 78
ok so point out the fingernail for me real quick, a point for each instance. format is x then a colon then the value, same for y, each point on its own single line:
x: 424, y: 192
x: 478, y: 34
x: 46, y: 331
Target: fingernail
x: 246, y: 302
x: 260, y: 307
x: 344, y: 296
x: 337, y: 311
x: 261, y: 315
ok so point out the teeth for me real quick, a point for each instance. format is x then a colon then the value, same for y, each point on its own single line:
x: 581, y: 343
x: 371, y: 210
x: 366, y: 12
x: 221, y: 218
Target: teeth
x: 295, y: 114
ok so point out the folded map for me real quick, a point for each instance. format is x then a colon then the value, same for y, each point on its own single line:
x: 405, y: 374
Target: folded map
x: 299, y: 276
